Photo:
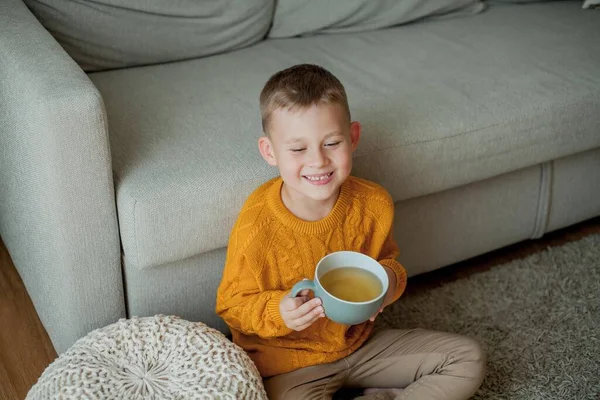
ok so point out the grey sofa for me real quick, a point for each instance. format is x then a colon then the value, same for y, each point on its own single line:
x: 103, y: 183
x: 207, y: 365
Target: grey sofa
x: 119, y: 185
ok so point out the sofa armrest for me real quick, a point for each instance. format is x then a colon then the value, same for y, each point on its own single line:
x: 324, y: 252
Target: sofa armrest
x: 57, y: 206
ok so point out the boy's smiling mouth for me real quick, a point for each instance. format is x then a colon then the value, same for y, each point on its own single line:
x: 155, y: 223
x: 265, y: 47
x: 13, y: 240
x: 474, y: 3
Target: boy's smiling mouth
x: 320, y: 179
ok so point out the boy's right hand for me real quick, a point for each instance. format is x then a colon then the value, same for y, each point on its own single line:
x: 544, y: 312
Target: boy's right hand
x: 300, y: 312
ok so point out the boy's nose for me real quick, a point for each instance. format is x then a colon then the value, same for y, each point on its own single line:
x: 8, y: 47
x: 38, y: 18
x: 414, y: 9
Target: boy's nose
x: 317, y: 158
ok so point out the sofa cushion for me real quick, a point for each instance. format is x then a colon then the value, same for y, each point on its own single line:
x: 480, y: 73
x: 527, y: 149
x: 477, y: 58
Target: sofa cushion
x: 301, y: 17
x: 106, y: 34
x: 442, y: 104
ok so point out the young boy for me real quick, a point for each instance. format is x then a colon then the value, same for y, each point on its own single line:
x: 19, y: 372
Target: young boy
x: 287, y: 225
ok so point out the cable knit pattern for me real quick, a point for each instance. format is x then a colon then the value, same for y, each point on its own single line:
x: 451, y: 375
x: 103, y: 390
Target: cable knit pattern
x: 160, y: 357
x: 271, y: 249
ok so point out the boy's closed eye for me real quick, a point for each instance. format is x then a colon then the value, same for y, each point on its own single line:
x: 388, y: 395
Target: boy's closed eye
x: 326, y: 145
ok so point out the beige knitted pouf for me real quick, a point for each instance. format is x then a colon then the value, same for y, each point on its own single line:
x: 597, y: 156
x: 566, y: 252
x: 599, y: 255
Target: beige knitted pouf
x: 160, y: 357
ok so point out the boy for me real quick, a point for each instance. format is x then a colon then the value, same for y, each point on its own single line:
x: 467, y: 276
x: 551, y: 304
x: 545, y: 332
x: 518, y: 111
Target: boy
x: 287, y: 225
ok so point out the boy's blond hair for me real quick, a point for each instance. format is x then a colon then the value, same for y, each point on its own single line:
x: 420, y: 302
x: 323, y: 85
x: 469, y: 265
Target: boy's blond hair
x: 300, y: 86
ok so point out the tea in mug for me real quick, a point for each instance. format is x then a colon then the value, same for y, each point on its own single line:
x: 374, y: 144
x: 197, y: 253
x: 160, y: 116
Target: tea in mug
x: 351, y: 284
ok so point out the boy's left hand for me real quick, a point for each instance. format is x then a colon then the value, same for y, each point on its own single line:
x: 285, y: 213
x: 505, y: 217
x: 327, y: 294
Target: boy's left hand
x: 390, y: 292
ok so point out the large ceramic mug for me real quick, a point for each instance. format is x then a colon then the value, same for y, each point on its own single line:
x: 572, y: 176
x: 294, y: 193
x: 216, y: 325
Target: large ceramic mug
x: 336, y: 309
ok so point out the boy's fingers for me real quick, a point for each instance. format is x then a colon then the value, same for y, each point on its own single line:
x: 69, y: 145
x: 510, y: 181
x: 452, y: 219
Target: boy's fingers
x: 305, y: 307
x: 374, y: 316
x: 299, y: 301
x: 311, y: 319
x: 306, y: 312
x: 292, y: 303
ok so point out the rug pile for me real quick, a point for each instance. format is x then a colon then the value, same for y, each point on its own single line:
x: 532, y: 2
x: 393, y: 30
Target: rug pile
x: 538, y: 319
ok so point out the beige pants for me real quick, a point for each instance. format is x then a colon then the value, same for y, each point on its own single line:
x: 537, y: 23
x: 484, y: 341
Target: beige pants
x: 428, y: 365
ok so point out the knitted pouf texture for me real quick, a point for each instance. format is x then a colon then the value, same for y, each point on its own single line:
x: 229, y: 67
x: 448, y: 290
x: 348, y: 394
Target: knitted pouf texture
x: 160, y: 357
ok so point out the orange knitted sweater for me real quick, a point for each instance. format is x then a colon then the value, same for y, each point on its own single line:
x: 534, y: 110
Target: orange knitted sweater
x: 270, y: 249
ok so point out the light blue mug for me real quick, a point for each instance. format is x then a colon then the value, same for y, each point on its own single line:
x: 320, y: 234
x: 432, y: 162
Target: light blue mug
x: 338, y: 310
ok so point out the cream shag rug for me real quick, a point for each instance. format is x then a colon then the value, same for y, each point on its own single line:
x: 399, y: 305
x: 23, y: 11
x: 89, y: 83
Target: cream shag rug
x: 537, y: 317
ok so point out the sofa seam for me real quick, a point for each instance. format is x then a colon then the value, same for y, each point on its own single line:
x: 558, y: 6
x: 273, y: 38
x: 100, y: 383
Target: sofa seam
x: 549, y: 191
x: 540, y: 193
x: 111, y: 174
x: 135, y: 235
x: 542, y: 213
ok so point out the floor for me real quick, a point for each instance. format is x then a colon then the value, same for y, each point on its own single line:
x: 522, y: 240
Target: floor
x: 25, y: 348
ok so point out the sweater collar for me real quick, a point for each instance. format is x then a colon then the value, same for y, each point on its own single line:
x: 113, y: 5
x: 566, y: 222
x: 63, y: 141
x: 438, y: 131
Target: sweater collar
x: 326, y: 224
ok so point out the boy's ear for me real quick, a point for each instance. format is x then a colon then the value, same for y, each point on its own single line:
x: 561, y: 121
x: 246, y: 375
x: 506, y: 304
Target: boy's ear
x: 355, y: 130
x: 266, y: 150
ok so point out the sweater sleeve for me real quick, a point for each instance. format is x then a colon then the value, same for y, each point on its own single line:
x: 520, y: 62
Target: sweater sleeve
x: 245, y: 307
x: 387, y: 257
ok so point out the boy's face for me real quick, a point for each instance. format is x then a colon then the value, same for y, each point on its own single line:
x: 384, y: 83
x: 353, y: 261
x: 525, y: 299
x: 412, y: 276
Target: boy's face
x: 313, y: 149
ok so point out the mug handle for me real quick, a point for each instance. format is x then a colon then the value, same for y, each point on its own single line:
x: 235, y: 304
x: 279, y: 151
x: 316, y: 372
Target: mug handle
x: 300, y: 286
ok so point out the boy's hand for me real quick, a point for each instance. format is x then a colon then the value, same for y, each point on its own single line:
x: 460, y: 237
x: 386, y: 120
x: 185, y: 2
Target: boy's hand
x: 300, y: 312
x: 390, y: 292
